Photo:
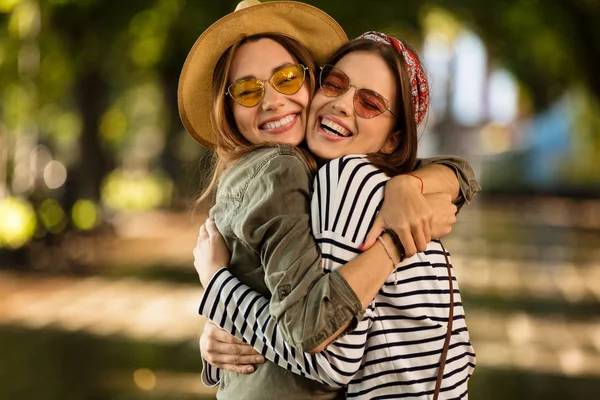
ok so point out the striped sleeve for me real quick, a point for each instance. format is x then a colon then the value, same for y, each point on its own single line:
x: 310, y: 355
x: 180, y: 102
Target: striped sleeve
x: 244, y: 313
x: 211, y: 375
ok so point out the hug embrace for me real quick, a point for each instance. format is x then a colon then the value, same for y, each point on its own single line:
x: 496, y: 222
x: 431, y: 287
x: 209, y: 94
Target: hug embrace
x: 323, y: 269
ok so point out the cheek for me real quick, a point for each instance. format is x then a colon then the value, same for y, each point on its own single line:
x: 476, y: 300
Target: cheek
x: 318, y: 102
x: 244, y: 119
x: 375, y: 133
x: 302, y: 97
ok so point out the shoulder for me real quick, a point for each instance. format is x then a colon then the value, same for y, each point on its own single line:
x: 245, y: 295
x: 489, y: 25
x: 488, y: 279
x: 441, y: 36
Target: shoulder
x: 265, y: 166
x: 347, y: 195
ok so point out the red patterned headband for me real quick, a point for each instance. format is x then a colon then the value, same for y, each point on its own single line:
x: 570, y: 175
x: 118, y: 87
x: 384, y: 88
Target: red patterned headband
x: 418, y: 81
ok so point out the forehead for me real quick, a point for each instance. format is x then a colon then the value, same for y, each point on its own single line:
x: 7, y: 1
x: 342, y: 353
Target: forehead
x: 368, y: 70
x: 258, y: 59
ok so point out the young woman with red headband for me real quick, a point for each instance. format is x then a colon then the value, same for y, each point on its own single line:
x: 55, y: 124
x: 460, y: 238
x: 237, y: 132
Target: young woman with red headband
x: 363, y: 121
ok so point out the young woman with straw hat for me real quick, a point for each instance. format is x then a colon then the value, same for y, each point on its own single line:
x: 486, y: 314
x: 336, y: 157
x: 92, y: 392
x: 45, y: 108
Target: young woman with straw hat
x: 262, y: 201
x: 416, y: 322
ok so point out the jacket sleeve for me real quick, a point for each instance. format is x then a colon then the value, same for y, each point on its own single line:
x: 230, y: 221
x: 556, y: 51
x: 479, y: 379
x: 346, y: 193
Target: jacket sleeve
x: 274, y: 220
x: 243, y: 312
x: 469, y: 186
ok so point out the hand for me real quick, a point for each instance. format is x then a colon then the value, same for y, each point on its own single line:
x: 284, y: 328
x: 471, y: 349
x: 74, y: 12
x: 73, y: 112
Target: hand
x: 406, y: 212
x: 211, y: 253
x: 444, y: 214
x: 225, y: 351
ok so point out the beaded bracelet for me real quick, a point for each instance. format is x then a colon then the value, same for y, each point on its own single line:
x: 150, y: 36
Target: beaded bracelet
x: 389, y: 254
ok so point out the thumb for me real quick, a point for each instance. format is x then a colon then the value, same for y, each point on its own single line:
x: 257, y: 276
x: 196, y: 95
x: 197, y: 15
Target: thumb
x: 211, y: 228
x: 373, y: 234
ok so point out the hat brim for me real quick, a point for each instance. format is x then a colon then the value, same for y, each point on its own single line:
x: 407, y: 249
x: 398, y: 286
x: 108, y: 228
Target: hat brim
x: 319, y: 33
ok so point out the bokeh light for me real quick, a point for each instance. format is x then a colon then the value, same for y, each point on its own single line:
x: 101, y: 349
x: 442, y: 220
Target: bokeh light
x: 55, y: 174
x: 126, y: 192
x: 52, y: 216
x: 17, y: 222
x: 85, y: 214
x: 144, y: 378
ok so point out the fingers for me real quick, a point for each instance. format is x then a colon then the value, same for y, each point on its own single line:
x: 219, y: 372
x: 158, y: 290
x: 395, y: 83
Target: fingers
x: 211, y: 228
x: 373, y: 234
x: 203, y: 234
x: 221, y: 353
x: 422, y: 231
x: 419, y: 238
x: 216, y: 340
x: 232, y: 357
x: 406, y: 238
x: 239, y: 369
x: 215, y: 333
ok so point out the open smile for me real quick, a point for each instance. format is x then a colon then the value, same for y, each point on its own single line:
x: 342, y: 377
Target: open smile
x: 279, y: 124
x: 333, y: 130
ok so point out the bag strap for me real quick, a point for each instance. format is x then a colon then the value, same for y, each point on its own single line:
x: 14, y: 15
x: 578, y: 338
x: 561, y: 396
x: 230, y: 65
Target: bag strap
x: 444, y: 355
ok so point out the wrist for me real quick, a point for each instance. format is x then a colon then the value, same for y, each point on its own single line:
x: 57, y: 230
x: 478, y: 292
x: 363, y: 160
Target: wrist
x: 407, y: 183
x: 390, y: 248
x: 419, y: 180
x: 207, y: 277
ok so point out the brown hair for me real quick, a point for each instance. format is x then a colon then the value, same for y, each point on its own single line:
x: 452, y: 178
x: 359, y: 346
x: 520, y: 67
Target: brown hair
x: 403, y: 158
x: 231, y: 144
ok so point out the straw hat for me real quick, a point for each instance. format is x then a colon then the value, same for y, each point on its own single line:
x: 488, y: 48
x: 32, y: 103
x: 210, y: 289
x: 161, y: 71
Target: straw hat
x: 313, y: 28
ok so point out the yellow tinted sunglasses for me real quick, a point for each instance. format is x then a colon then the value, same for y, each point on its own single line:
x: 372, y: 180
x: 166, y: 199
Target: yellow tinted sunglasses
x: 286, y: 80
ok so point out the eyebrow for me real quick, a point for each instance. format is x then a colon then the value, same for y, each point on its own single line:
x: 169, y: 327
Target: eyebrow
x: 272, y: 72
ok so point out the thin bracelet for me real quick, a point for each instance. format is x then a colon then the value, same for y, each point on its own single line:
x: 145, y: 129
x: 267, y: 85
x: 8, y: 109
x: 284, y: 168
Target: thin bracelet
x: 419, y: 178
x: 389, y: 254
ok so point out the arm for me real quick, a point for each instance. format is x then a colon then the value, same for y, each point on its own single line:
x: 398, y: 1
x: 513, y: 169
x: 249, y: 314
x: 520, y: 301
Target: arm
x: 309, y: 304
x: 245, y: 313
x: 231, y: 302
x: 442, y: 174
x: 414, y: 220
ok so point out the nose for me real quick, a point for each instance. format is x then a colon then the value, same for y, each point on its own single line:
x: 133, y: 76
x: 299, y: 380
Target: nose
x: 273, y: 99
x: 344, y: 104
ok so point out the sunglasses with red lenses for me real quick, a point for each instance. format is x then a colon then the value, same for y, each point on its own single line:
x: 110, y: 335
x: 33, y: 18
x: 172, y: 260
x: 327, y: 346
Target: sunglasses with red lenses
x: 367, y: 103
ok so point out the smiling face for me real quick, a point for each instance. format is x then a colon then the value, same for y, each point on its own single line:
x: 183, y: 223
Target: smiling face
x: 334, y: 129
x: 277, y: 118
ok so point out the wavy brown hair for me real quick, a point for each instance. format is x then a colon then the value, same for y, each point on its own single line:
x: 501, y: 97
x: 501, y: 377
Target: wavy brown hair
x: 403, y: 158
x: 231, y: 145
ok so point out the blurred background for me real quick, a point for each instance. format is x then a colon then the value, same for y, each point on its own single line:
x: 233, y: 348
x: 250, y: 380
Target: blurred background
x: 98, y: 295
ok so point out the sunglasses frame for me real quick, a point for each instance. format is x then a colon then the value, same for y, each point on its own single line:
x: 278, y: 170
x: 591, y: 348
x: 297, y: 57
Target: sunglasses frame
x: 270, y: 80
x: 387, y: 103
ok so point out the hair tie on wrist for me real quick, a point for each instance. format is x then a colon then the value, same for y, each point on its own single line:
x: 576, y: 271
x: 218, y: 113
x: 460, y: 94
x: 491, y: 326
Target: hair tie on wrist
x: 397, y: 243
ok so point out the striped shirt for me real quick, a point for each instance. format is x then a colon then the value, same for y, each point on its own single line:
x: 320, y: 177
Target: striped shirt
x: 394, y: 350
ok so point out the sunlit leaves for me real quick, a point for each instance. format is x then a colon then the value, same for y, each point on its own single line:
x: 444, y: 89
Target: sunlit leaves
x: 7, y: 6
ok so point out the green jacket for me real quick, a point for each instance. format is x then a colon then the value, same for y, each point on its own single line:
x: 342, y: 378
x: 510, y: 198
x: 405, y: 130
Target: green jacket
x: 263, y: 212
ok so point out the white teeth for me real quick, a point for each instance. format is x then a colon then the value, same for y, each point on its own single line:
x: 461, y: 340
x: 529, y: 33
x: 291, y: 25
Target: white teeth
x: 280, y: 123
x: 335, y: 127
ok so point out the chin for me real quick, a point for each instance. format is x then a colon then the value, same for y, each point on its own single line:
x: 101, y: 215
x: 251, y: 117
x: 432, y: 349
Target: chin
x: 295, y: 138
x: 325, y: 155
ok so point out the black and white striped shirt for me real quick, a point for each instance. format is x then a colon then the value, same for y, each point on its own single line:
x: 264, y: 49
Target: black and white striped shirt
x: 395, y: 349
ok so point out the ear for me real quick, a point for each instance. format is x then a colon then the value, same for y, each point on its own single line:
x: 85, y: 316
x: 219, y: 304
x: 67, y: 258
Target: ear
x: 392, y: 143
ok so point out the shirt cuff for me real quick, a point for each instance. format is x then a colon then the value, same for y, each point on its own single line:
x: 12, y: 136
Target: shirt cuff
x: 210, y: 298
x: 211, y: 375
x: 345, y: 305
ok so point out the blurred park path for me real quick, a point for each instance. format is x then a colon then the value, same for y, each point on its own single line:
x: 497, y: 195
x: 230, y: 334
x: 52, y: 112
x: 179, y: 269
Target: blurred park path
x: 529, y: 271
